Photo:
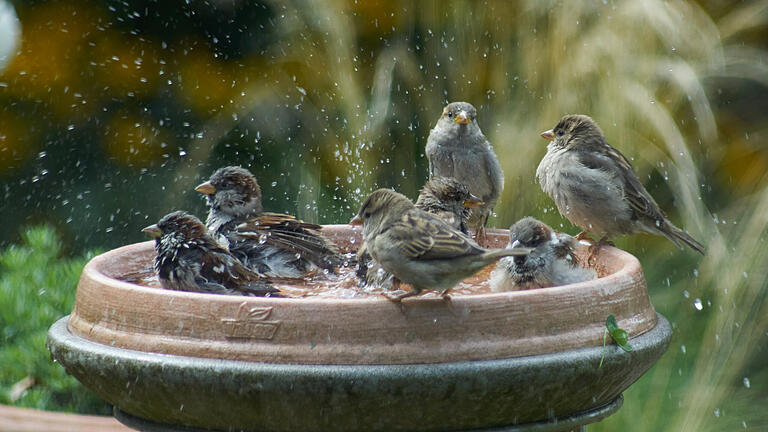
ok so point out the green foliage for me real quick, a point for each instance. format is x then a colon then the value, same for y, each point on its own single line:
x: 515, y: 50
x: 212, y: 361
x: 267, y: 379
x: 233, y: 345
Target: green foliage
x: 619, y: 335
x: 37, y: 287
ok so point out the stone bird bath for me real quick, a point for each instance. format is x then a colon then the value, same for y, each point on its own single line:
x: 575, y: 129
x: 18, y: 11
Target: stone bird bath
x: 525, y: 360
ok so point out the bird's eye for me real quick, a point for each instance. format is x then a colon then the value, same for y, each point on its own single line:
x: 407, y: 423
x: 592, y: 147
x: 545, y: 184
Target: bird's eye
x: 559, y: 132
x: 450, y: 115
x: 366, y: 215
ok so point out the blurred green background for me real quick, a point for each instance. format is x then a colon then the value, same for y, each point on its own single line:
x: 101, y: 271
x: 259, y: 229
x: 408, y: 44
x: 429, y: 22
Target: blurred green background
x: 112, y: 111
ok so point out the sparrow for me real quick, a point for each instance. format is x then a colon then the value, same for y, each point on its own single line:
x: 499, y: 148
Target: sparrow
x: 595, y: 187
x: 552, y: 262
x: 457, y: 148
x: 189, y: 259
x: 272, y: 244
x: 419, y: 248
x: 449, y: 200
x: 444, y: 197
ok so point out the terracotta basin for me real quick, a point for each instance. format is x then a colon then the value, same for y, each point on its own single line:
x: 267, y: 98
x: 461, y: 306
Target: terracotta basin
x: 314, y: 363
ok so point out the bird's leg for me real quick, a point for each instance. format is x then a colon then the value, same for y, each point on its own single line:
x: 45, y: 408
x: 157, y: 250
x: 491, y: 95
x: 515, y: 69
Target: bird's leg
x: 398, y: 299
x: 445, y: 294
x: 595, y: 248
x: 480, y: 236
x: 447, y: 297
x: 583, y: 236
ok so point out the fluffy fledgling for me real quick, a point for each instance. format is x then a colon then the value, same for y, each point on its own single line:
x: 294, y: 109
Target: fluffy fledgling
x: 457, y: 148
x: 595, y: 187
x: 419, y: 248
x: 551, y: 263
x: 271, y: 244
x: 189, y: 259
x: 443, y: 197
x: 448, y: 199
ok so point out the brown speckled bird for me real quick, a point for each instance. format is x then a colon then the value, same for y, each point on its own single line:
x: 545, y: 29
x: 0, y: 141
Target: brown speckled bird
x: 271, y: 244
x: 189, y: 259
x: 443, y: 197
x: 595, y: 187
x: 448, y: 199
x: 419, y: 248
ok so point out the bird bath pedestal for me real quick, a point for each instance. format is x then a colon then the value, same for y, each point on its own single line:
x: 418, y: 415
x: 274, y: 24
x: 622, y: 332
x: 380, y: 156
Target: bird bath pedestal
x: 525, y: 360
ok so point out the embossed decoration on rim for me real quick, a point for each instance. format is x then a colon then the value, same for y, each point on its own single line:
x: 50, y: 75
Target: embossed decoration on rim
x: 316, y: 330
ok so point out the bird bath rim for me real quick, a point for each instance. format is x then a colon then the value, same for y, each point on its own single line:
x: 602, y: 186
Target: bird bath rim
x: 371, y: 330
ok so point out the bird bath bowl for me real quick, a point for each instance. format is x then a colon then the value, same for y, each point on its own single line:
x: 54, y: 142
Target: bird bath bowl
x: 524, y: 360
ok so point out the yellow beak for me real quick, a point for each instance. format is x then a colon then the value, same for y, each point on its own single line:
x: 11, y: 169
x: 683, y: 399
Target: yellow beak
x: 462, y: 118
x: 152, y: 231
x: 550, y: 135
x: 357, y: 220
x: 206, y: 188
x: 473, y: 202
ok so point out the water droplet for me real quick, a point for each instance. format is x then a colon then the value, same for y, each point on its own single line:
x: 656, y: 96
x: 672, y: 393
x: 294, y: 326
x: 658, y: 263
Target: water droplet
x: 697, y: 304
x: 746, y: 382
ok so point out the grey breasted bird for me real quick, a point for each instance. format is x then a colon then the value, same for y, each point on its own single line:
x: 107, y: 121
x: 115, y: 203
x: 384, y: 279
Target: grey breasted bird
x: 189, y: 259
x: 271, y: 244
x: 552, y: 262
x: 419, y: 248
x: 443, y: 197
x: 594, y: 186
x: 457, y: 148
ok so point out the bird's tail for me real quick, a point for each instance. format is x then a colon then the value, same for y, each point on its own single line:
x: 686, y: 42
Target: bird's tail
x: 677, y: 235
x: 501, y: 253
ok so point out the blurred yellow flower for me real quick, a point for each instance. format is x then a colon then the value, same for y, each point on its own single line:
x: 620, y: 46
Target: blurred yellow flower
x: 132, y: 140
x: 17, y: 143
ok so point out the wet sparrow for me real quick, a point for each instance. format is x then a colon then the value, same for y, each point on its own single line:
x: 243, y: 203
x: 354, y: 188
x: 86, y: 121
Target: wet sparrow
x: 444, y: 197
x: 189, y: 259
x: 418, y: 248
x: 594, y: 185
x: 272, y: 244
x: 552, y: 262
x: 448, y: 199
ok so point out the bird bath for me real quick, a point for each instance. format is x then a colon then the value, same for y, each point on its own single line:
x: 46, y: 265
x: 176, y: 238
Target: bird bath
x: 524, y: 360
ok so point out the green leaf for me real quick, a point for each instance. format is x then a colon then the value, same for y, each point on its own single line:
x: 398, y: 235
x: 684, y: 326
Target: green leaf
x: 611, y: 324
x: 620, y: 336
x: 626, y: 347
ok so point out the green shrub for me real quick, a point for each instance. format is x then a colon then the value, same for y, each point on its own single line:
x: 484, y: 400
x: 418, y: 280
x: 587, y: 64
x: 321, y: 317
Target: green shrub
x: 37, y: 287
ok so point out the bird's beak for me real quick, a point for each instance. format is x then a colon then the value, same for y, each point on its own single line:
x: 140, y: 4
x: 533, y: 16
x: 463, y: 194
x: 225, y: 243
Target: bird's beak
x: 462, y: 118
x: 550, y: 135
x: 357, y: 220
x: 206, y: 188
x: 473, y: 202
x: 152, y: 231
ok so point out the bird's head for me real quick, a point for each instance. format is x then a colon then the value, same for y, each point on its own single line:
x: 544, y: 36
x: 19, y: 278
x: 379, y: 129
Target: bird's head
x: 179, y: 225
x: 233, y: 191
x: 449, y: 193
x: 380, y: 209
x: 573, y: 131
x: 458, y: 115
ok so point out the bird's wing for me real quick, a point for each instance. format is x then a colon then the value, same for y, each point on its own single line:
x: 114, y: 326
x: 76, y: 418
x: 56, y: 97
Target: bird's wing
x: 421, y: 236
x: 222, y: 274
x: 495, y: 173
x: 608, y: 159
x: 289, y: 233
